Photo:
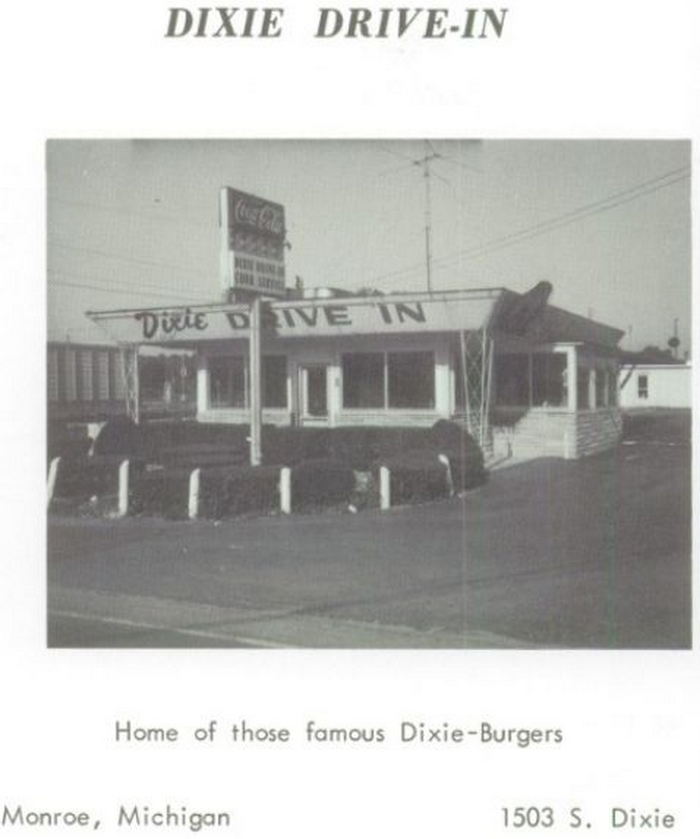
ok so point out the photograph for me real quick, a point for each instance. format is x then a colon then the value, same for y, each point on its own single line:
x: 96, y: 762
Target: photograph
x: 419, y: 394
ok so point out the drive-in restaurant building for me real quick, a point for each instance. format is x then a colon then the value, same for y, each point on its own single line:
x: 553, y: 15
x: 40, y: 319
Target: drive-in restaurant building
x: 522, y: 374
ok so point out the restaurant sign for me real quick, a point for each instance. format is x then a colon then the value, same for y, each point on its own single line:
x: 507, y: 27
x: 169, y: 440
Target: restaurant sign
x: 298, y: 319
x: 252, y: 243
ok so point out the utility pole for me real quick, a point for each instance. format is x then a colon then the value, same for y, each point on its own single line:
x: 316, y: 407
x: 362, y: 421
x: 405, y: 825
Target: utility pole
x: 424, y: 162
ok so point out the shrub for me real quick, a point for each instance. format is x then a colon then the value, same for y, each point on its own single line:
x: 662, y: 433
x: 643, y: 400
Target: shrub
x: 82, y: 477
x: 318, y: 483
x: 65, y: 440
x: 416, y: 475
x: 463, y: 452
x: 164, y: 492
x: 289, y: 446
x: 467, y: 468
x: 118, y: 436
x: 225, y: 493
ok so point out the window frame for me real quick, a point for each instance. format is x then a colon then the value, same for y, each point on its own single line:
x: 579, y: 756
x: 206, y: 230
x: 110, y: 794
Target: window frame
x: 385, y: 406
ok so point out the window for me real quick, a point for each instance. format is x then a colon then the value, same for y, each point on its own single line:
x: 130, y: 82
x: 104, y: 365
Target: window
x: 103, y: 375
x: 228, y: 382
x: 274, y: 384
x: 71, y: 379
x: 411, y: 380
x: 512, y: 380
x: 398, y: 380
x: 229, y: 385
x: 52, y: 376
x: 117, y: 375
x: 549, y: 385
x: 363, y: 380
x: 85, y: 372
x: 600, y: 389
x: 643, y: 386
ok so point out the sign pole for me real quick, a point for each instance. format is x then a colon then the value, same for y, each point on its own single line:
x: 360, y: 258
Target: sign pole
x: 225, y: 258
x: 255, y: 383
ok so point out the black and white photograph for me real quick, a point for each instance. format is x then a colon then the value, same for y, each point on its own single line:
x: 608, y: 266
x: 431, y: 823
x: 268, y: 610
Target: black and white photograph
x: 356, y: 394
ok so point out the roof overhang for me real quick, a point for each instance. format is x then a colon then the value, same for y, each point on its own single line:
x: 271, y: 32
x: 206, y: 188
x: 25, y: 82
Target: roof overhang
x: 376, y: 314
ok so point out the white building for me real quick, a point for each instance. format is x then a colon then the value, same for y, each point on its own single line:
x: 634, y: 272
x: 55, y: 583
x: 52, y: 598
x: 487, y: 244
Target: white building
x: 655, y: 386
x: 513, y: 368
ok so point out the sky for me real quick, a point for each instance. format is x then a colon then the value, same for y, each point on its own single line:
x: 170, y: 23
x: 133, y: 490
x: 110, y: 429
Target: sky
x: 134, y: 223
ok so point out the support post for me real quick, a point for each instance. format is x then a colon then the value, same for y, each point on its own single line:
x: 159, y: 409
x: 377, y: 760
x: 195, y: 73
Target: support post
x: 123, y: 502
x: 255, y: 383
x: 592, y: 376
x: 286, y: 490
x: 465, y: 378
x: 572, y: 379
x: 130, y: 375
x: 193, y: 499
x: 51, y: 484
x: 384, y: 488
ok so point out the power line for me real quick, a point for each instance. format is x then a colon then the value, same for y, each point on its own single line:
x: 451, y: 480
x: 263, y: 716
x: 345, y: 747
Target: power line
x: 123, y: 291
x: 132, y: 212
x: 118, y: 284
x: 122, y: 258
x: 601, y: 205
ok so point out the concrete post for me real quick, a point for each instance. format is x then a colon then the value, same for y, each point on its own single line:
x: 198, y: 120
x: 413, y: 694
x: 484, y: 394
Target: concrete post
x: 193, y: 498
x: 448, y: 473
x: 286, y: 490
x: 384, y: 488
x: 51, y: 486
x: 123, y: 503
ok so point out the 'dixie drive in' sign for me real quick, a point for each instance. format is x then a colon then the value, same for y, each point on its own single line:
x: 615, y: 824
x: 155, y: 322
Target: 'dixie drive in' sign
x: 253, y: 237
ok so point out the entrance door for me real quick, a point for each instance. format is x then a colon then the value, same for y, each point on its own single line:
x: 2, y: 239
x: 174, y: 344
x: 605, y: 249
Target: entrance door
x: 314, y: 392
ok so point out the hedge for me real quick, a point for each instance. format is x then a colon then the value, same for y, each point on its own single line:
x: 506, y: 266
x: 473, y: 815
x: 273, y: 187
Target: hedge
x: 416, y: 476
x: 80, y: 478
x: 164, y: 492
x: 320, y: 483
x: 323, y: 462
x: 226, y: 493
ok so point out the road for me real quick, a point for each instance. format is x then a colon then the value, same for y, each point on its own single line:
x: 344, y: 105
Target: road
x: 551, y: 553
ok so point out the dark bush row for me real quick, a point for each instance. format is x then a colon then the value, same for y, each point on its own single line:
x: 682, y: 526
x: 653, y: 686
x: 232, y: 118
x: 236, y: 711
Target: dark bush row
x: 225, y: 493
x: 322, y: 460
x: 82, y: 477
x: 160, y: 493
x: 357, y: 447
x: 228, y: 492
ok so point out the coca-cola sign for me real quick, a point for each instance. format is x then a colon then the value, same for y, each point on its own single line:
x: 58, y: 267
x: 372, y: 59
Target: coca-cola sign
x: 256, y: 214
x: 254, y: 241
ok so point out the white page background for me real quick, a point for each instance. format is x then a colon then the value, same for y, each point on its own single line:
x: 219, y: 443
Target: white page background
x: 630, y: 719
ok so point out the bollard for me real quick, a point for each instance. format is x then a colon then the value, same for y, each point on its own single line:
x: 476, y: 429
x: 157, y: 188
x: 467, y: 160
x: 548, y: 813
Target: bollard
x: 53, y: 474
x: 384, y: 488
x: 286, y: 490
x: 193, y: 499
x: 123, y: 503
x: 448, y: 473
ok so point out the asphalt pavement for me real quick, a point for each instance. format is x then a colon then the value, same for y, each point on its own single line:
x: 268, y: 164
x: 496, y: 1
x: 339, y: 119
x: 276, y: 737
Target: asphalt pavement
x: 551, y: 553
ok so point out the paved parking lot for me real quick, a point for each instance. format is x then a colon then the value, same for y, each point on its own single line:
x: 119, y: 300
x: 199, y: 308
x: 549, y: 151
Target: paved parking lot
x: 551, y: 553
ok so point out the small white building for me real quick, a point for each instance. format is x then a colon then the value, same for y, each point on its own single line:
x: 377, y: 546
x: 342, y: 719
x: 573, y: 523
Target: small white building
x: 655, y: 385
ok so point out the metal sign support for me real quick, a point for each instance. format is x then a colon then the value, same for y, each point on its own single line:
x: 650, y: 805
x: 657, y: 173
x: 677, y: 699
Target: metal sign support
x: 255, y: 354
